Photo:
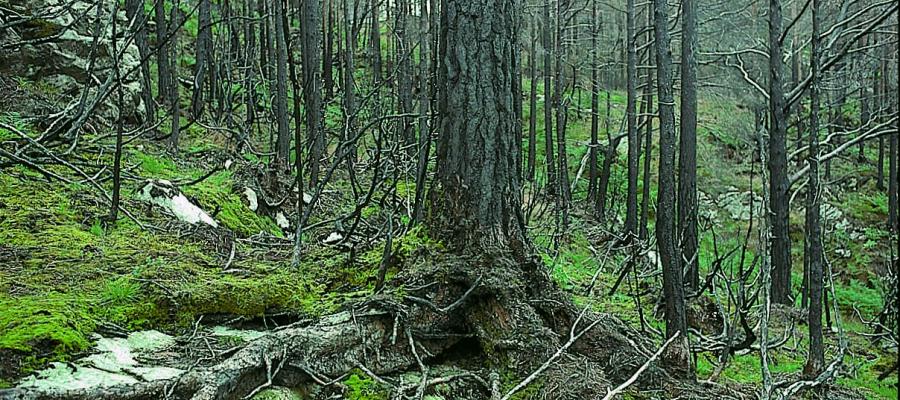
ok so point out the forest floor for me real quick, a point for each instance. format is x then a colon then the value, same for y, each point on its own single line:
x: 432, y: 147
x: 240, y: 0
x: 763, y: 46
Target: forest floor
x: 66, y: 275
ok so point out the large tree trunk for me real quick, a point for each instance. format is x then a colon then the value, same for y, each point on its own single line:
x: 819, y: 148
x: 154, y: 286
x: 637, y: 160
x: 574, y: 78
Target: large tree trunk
x: 477, y: 188
x: 678, y: 355
x: 687, y: 151
x: 777, y: 164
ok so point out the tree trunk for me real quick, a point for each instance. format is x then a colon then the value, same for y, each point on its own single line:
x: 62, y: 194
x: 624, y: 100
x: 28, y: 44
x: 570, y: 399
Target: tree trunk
x: 477, y: 187
x: 595, y: 105
x: 777, y: 164
x: 375, y: 41
x: 328, y: 50
x: 631, y: 122
x: 648, y: 139
x: 678, y: 355
x: 532, y: 104
x: 311, y: 41
x: 816, y: 360
x: 548, y: 103
x: 565, y: 192
x: 175, y: 130
x: 203, y: 53
x: 609, y: 158
x: 687, y: 155
x: 424, y: 108
x: 283, y: 143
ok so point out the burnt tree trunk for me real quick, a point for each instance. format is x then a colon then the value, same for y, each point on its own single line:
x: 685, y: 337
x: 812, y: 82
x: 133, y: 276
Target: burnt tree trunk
x: 548, y: 104
x: 532, y: 104
x: 283, y: 143
x: 595, y: 104
x: 311, y: 43
x: 816, y: 360
x: 777, y: 164
x: 677, y: 355
x: 631, y: 122
x: 687, y: 151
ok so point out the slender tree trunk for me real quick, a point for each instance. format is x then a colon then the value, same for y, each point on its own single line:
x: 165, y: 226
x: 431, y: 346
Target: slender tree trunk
x: 328, y: 50
x: 375, y: 41
x: 609, y: 158
x: 202, y: 56
x: 548, y: 103
x: 283, y: 144
x: 311, y: 41
x: 565, y: 191
x: 648, y: 137
x: 404, y: 76
x: 532, y: 104
x: 595, y: 105
x: 777, y: 164
x: 687, y: 156
x: 175, y: 131
x: 631, y: 202
x: 816, y: 360
x: 424, y: 108
x: 678, y: 354
x: 864, y: 119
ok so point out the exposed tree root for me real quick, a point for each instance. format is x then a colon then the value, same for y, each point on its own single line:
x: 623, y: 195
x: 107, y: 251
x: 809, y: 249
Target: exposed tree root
x: 508, y: 314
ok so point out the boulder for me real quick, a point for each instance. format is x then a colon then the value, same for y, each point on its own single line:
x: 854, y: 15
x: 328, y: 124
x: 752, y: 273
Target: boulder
x: 53, y: 47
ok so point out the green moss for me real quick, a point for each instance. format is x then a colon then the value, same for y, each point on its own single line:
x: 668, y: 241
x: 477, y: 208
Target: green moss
x: 56, y: 321
x: 216, y: 193
x: 362, y: 387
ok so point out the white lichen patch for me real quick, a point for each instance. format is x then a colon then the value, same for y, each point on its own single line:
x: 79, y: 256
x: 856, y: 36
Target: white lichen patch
x: 164, y: 194
x: 114, y: 363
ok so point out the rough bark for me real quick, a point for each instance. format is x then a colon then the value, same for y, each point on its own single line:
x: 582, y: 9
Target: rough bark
x: 777, y: 164
x: 687, y: 150
x: 678, y: 354
x: 477, y: 187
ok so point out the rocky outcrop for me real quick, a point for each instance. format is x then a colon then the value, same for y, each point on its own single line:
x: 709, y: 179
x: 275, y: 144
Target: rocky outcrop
x: 51, y: 42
